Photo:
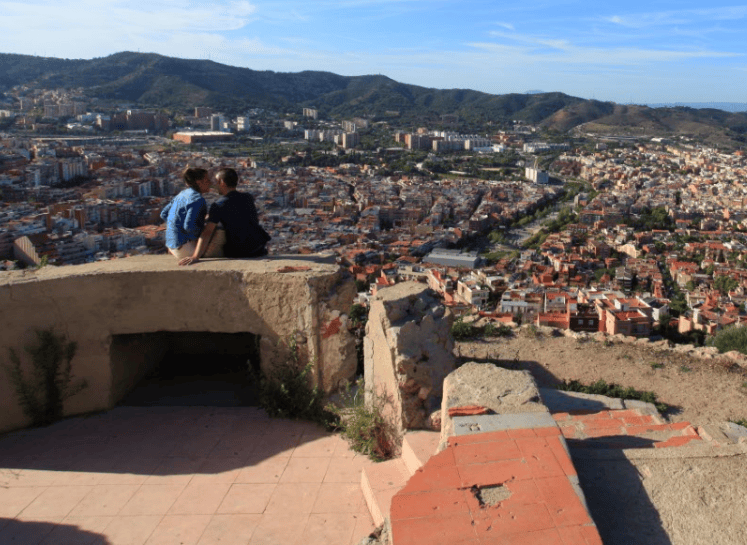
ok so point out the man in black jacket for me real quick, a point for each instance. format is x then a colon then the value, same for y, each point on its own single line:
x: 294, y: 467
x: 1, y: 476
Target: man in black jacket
x: 236, y: 212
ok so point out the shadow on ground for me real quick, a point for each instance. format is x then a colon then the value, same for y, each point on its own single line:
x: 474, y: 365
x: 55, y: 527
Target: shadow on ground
x: 18, y: 531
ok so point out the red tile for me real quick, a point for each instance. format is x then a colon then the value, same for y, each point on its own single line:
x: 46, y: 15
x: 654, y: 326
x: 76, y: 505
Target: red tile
x: 639, y: 430
x: 438, y: 530
x: 564, y: 505
x: 545, y: 432
x: 636, y: 420
x: 524, y: 492
x: 486, y: 452
x: 561, y: 455
x: 543, y: 537
x: 494, y: 473
x: 568, y: 431
x: 581, y: 416
x: 572, y: 535
x: 540, y: 457
x: 445, y: 458
x: 522, y: 432
x: 603, y: 423
x: 439, y: 478
x: 478, y: 438
x: 559, y: 417
x: 679, y: 425
x: 428, y: 504
x: 676, y: 441
x: 511, y: 518
x: 604, y: 432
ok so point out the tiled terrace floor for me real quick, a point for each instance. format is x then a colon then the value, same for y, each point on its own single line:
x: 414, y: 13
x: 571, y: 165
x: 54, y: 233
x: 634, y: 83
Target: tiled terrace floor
x: 180, y: 475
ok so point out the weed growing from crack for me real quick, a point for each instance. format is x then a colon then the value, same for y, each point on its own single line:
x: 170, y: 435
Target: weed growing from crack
x: 362, y: 424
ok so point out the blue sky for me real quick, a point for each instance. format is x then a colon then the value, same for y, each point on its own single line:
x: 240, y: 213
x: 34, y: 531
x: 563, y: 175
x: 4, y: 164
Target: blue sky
x: 640, y: 52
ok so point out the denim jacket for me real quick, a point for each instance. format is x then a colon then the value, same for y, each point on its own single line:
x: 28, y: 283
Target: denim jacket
x: 184, y: 217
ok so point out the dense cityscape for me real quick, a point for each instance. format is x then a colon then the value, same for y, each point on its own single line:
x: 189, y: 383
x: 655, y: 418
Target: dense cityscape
x: 514, y: 223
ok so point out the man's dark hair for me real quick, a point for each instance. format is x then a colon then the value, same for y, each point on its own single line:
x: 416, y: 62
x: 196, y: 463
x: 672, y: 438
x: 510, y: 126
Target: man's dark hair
x: 228, y: 176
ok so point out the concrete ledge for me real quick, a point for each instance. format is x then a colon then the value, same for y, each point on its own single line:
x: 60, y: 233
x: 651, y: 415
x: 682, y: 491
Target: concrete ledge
x: 274, y: 298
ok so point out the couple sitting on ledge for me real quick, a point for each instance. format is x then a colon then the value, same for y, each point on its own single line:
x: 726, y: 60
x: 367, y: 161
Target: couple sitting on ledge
x: 191, y: 235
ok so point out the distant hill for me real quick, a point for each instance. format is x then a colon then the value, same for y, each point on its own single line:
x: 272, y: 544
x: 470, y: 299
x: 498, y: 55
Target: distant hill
x: 153, y: 80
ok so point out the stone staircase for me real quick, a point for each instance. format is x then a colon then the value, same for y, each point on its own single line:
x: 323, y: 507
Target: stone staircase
x: 510, y: 479
x: 382, y: 481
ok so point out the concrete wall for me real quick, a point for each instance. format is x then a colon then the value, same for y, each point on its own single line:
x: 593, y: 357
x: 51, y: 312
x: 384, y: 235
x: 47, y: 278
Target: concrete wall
x: 407, y: 353
x: 275, y: 298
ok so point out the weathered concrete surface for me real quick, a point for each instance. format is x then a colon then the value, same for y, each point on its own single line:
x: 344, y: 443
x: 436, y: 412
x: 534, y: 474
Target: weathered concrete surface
x: 408, y: 352
x: 501, y: 391
x: 671, y: 496
x: 272, y: 297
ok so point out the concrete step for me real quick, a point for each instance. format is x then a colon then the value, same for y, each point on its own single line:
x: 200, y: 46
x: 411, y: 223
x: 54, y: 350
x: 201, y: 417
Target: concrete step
x: 379, y: 483
x: 418, y: 447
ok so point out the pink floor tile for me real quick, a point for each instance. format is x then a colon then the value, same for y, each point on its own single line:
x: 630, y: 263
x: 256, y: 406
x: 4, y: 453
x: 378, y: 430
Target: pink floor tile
x: 323, y: 445
x: 293, y: 498
x: 131, y: 530
x: 152, y: 499
x: 199, y: 499
x: 344, y: 469
x: 339, y: 498
x: 104, y: 500
x: 179, y: 529
x: 305, y: 470
x: 279, y: 531
x: 79, y: 531
x: 56, y: 501
x: 14, y: 500
x: 246, y: 499
x: 229, y: 530
x: 328, y: 528
x: 260, y: 469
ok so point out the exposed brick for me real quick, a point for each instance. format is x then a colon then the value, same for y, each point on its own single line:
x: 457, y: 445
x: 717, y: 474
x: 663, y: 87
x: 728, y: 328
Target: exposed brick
x: 478, y: 438
x: 468, y: 410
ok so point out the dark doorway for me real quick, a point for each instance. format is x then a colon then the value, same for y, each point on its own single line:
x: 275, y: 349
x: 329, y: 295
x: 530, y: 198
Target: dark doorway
x: 186, y: 369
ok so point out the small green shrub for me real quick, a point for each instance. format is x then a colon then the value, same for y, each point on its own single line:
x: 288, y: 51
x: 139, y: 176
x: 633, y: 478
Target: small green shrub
x: 731, y: 338
x: 42, y: 395
x: 601, y: 387
x: 461, y: 330
x: 533, y: 331
x: 740, y: 422
x: 656, y: 365
x: 362, y: 424
x: 685, y: 369
x: 288, y: 392
x: 490, y: 330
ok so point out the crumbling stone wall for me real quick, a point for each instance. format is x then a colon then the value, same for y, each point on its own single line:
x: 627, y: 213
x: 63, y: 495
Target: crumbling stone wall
x: 407, y: 353
x: 274, y: 298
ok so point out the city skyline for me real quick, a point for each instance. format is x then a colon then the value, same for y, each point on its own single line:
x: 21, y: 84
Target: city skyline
x: 641, y: 53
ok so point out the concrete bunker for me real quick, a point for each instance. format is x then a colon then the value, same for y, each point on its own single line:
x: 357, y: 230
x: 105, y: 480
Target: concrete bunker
x: 185, y: 368
x: 94, y: 305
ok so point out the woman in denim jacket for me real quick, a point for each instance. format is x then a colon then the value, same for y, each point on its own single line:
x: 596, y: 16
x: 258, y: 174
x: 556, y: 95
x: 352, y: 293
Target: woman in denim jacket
x: 185, y: 214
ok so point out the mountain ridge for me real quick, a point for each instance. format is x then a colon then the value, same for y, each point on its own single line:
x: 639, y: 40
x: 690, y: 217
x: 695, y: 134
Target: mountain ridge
x: 154, y: 80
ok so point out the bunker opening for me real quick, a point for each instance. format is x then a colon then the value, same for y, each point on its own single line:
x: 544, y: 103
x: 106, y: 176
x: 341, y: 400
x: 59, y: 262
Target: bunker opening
x: 191, y: 368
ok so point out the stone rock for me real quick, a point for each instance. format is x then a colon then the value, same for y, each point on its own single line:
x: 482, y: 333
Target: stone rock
x: 684, y: 348
x: 643, y: 340
x: 502, y: 391
x: 408, y: 351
